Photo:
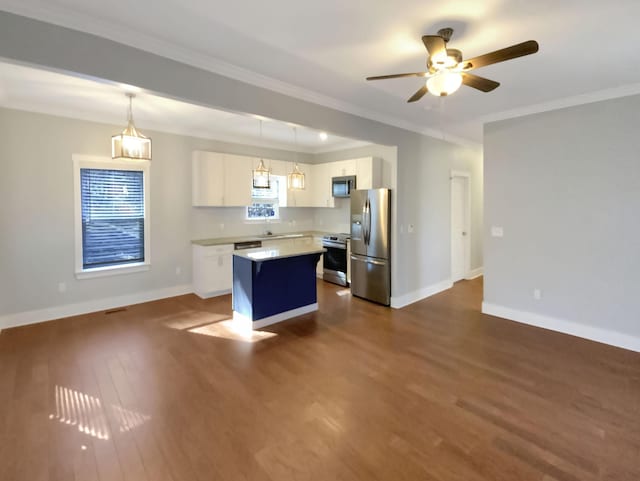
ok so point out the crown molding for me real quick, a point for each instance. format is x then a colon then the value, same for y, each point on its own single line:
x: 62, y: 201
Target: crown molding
x: 575, y: 100
x: 68, y: 19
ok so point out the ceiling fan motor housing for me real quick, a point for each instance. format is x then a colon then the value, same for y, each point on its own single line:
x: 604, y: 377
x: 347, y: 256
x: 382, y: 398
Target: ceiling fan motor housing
x: 445, y: 33
x: 454, y: 57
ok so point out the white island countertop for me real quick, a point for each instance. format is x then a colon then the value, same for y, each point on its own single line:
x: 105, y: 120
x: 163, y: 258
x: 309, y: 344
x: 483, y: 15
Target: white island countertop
x: 270, y: 253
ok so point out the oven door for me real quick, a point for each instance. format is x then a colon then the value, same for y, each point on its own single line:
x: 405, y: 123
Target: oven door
x: 335, y: 263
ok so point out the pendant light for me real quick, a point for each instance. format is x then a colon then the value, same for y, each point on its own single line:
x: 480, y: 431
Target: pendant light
x: 130, y: 144
x: 261, y: 175
x: 295, y: 178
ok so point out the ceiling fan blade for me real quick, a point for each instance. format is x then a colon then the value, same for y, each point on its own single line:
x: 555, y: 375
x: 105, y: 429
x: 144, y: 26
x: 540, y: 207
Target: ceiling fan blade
x: 399, y: 75
x: 480, y: 83
x: 435, y: 45
x: 515, y: 51
x: 419, y: 94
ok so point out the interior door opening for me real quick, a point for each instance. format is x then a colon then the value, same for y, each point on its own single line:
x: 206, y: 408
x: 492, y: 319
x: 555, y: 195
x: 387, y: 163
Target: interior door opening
x: 460, y: 225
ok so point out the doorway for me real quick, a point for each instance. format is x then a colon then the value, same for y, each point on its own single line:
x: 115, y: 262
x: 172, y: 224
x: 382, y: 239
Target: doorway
x: 460, y: 225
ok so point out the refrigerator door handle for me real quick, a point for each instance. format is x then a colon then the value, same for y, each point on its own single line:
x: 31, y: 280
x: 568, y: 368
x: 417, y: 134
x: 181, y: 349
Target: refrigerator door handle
x: 367, y: 260
x: 368, y: 221
x: 364, y: 222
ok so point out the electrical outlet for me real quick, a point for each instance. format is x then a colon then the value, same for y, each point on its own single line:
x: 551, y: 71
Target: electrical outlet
x: 62, y: 287
x: 178, y: 270
x: 537, y: 294
x: 497, y: 231
x: 410, y: 228
x: 221, y: 226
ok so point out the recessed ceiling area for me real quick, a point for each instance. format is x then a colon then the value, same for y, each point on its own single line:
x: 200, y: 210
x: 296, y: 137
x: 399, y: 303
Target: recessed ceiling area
x: 322, y: 51
x: 43, y: 91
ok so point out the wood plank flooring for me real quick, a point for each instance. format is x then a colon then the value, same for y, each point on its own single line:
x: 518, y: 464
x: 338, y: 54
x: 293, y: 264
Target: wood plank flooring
x: 168, y: 391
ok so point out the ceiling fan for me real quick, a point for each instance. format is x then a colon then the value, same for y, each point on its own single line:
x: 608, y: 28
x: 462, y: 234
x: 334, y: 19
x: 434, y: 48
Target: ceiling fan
x: 446, y: 70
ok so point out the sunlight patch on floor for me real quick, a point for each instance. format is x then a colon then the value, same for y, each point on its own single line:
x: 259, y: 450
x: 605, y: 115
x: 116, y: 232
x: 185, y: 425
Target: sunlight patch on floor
x: 191, y: 319
x: 344, y: 292
x: 89, y: 416
x: 232, y: 329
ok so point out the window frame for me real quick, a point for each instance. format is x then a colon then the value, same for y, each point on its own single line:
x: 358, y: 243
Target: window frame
x: 105, y: 163
x: 275, y: 201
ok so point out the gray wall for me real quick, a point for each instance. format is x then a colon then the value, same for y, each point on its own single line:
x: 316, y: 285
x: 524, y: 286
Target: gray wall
x: 36, y: 210
x: 423, y: 162
x: 565, y: 186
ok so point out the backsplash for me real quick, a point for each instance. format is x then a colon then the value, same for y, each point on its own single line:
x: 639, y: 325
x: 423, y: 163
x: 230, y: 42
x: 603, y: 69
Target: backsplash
x: 210, y: 222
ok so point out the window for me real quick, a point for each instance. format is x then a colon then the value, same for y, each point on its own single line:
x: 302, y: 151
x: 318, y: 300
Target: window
x: 112, y: 231
x: 265, y: 202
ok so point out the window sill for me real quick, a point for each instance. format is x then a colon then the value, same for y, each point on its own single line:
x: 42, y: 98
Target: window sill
x: 112, y: 271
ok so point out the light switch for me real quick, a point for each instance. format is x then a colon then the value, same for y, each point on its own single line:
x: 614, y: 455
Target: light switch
x: 410, y: 228
x: 497, y: 231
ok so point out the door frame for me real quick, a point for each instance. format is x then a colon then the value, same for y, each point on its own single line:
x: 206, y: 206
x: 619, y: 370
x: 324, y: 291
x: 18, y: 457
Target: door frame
x: 467, y: 243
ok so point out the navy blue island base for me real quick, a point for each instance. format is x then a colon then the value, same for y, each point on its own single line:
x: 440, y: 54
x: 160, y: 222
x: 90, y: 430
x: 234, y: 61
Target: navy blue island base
x: 269, y: 290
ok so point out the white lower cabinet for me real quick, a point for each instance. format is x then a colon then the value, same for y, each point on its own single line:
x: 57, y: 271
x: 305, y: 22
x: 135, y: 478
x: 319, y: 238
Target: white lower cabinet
x: 212, y: 270
x: 320, y: 266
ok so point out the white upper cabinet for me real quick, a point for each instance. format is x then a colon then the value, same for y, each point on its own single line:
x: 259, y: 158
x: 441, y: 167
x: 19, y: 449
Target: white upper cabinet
x: 225, y: 179
x: 221, y: 179
x: 322, y: 195
x: 238, y: 179
x: 304, y: 197
x: 368, y: 172
x: 207, y: 177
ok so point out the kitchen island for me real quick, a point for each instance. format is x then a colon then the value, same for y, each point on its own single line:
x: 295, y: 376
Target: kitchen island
x: 271, y: 284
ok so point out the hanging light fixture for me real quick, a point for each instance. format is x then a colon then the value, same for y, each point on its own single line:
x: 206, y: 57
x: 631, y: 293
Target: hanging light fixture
x: 295, y: 178
x: 261, y: 175
x: 130, y: 144
x: 444, y: 83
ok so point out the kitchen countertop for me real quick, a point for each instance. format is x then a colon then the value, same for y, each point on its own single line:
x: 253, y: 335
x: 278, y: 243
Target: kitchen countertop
x: 217, y: 241
x: 260, y: 254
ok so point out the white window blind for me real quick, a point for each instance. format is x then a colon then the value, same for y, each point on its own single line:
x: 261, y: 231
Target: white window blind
x: 112, y: 217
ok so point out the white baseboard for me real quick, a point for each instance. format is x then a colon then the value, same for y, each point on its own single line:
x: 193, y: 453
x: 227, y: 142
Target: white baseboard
x: 210, y: 294
x: 597, y: 334
x: 398, y: 302
x: 267, y: 321
x: 473, y: 273
x: 67, y: 310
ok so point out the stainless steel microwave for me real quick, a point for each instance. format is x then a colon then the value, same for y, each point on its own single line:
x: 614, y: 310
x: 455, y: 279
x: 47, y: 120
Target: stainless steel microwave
x: 342, y: 186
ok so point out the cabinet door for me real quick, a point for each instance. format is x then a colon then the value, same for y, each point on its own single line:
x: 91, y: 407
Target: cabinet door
x: 322, y: 195
x: 207, y: 179
x: 320, y: 266
x: 368, y: 173
x: 238, y: 178
x: 212, y: 270
x: 305, y: 197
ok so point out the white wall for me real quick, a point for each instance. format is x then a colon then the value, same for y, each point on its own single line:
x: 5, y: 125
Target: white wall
x: 565, y: 186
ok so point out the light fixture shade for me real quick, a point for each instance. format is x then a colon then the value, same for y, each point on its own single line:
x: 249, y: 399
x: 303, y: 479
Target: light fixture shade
x: 295, y: 179
x: 444, y: 83
x: 130, y: 144
x: 261, y: 176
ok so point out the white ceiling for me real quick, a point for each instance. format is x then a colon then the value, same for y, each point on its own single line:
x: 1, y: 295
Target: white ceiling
x: 322, y: 51
x: 36, y: 90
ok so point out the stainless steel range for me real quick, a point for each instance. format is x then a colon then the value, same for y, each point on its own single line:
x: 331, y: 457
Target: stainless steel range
x: 335, y: 259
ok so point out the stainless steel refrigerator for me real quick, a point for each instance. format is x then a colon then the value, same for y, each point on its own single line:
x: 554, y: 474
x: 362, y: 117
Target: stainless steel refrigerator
x: 370, y: 249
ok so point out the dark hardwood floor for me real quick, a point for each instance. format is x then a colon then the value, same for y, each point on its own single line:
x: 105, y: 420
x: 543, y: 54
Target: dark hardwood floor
x: 435, y: 391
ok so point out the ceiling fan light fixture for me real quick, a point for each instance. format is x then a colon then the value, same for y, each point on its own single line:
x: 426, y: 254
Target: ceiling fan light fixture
x: 130, y: 144
x: 444, y: 83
